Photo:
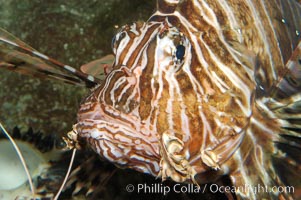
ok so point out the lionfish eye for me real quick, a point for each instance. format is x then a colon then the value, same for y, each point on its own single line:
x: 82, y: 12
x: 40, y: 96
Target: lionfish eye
x: 180, y: 52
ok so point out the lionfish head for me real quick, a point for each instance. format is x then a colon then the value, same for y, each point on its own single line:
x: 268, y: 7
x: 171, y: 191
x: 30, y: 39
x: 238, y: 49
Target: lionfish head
x: 177, y: 101
x: 147, y: 114
x: 124, y: 118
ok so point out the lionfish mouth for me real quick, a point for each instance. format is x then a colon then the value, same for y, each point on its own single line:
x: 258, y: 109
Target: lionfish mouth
x: 118, y: 137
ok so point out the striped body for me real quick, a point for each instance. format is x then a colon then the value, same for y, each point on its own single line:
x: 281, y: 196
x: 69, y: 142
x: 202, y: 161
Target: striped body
x: 208, y: 111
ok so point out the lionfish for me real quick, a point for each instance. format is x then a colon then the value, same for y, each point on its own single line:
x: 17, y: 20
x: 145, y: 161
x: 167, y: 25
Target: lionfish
x: 204, y: 88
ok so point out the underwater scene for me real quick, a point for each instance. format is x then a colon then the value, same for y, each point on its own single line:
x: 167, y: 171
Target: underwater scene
x: 150, y: 99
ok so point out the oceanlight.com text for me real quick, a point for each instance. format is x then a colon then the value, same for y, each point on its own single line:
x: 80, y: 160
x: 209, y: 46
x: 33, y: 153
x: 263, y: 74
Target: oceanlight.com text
x: 160, y: 188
